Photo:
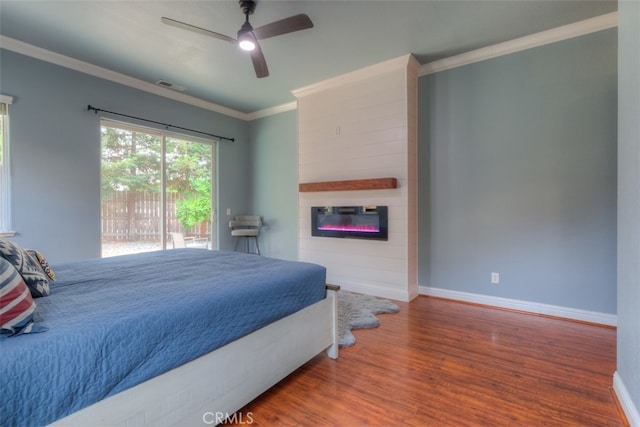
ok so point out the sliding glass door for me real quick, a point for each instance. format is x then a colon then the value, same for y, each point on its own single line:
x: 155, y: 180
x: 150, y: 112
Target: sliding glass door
x: 157, y: 190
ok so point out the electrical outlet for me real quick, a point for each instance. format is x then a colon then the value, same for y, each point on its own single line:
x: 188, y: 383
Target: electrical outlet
x: 228, y: 211
x: 495, y: 278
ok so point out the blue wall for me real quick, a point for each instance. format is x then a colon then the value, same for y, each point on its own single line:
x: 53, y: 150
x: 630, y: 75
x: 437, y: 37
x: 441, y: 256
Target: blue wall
x: 518, y: 167
x: 274, y: 183
x: 628, y: 367
x: 55, y: 152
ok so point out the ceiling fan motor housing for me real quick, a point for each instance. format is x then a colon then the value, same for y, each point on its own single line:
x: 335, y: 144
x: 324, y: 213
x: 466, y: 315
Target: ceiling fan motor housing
x: 247, y: 6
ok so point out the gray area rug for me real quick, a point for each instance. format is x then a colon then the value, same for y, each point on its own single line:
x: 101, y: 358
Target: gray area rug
x: 358, y: 311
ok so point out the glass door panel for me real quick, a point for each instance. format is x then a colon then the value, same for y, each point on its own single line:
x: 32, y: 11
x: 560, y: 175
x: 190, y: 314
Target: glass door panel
x: 130, y: 193
x: 188, y: 201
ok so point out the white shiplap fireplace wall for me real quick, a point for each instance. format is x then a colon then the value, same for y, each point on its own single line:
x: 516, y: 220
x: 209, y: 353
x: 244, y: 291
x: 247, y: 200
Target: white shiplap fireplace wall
x: 363, y: 125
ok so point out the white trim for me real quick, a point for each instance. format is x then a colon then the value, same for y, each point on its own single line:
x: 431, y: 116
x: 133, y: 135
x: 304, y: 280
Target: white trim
x: 5, y: 171
x: 355, y: 76
x: 272, y: 110
x: 528, y: 306
x: 629, y: 408
x: 576, y: 29
x: 103, y: 73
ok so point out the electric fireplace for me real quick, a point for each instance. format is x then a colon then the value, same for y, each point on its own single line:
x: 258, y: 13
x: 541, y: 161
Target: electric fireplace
x: 361, y: 222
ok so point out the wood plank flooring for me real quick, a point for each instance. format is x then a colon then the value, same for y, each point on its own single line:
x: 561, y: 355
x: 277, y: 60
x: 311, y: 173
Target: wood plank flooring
x: 445, y: 363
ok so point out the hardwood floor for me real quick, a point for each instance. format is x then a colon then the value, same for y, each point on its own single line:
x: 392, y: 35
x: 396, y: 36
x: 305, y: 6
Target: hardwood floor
x: 445, y: 363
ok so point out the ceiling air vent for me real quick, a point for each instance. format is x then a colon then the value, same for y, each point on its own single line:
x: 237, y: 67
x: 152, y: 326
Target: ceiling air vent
x: 170, y: 85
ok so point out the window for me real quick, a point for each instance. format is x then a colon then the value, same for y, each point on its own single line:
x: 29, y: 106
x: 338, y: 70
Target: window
x: 5, y: 189
x: 155, y: 184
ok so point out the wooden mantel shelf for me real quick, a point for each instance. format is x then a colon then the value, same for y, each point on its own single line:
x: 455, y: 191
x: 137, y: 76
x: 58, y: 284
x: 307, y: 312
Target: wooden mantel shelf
x: 348, y: 185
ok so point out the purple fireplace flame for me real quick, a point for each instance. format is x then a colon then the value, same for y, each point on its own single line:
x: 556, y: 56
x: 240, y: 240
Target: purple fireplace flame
x: 363, y: 222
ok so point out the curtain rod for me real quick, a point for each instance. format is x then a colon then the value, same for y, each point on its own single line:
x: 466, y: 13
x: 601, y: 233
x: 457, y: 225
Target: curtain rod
x: 166, y: 125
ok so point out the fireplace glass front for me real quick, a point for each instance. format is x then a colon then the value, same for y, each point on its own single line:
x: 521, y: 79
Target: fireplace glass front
x: 362, y: 222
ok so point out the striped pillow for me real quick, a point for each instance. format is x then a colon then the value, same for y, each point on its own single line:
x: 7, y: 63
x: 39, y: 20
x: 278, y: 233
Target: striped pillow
x: 16, y: 304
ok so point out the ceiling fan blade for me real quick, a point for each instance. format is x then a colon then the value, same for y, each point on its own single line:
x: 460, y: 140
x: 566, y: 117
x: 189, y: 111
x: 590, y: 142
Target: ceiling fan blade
x: 195, y: 29
x: 259, y: 63
x: 283, y: 26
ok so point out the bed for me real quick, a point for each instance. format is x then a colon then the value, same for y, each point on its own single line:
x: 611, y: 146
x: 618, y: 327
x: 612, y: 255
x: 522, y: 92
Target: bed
x: 176, y: 337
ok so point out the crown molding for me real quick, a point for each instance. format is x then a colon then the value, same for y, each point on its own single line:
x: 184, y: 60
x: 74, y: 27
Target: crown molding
x: 401, y: 62
x: 272, y: 110
x: 576, y: 29
x: 103, y: 73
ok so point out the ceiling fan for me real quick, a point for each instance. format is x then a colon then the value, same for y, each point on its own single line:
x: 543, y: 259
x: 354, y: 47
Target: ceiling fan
x: 248, y: 36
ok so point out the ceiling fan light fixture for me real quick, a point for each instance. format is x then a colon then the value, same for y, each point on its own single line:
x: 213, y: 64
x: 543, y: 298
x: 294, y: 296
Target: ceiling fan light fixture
x: 246, y: 39
x: 246, y: 43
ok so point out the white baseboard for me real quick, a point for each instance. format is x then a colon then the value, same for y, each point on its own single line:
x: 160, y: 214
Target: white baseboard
x: 630, y: 410
x: 528, y: 306
x: 376, y: 291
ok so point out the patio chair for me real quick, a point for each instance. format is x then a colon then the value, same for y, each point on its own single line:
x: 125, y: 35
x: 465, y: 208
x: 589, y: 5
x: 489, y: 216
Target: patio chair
x: 180, y: 241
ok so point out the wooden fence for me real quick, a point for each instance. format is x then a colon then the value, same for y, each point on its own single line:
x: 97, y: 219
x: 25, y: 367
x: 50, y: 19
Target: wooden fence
x: 134, y: 216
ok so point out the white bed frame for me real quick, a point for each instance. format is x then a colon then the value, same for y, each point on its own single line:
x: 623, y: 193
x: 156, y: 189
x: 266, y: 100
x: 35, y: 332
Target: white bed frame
x: 206, y: 390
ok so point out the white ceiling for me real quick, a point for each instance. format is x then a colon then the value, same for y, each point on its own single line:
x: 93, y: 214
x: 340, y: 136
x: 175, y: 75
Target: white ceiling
x: 128, y: 37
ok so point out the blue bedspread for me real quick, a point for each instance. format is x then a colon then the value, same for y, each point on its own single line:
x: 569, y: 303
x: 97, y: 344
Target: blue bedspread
x: 116, y: 322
